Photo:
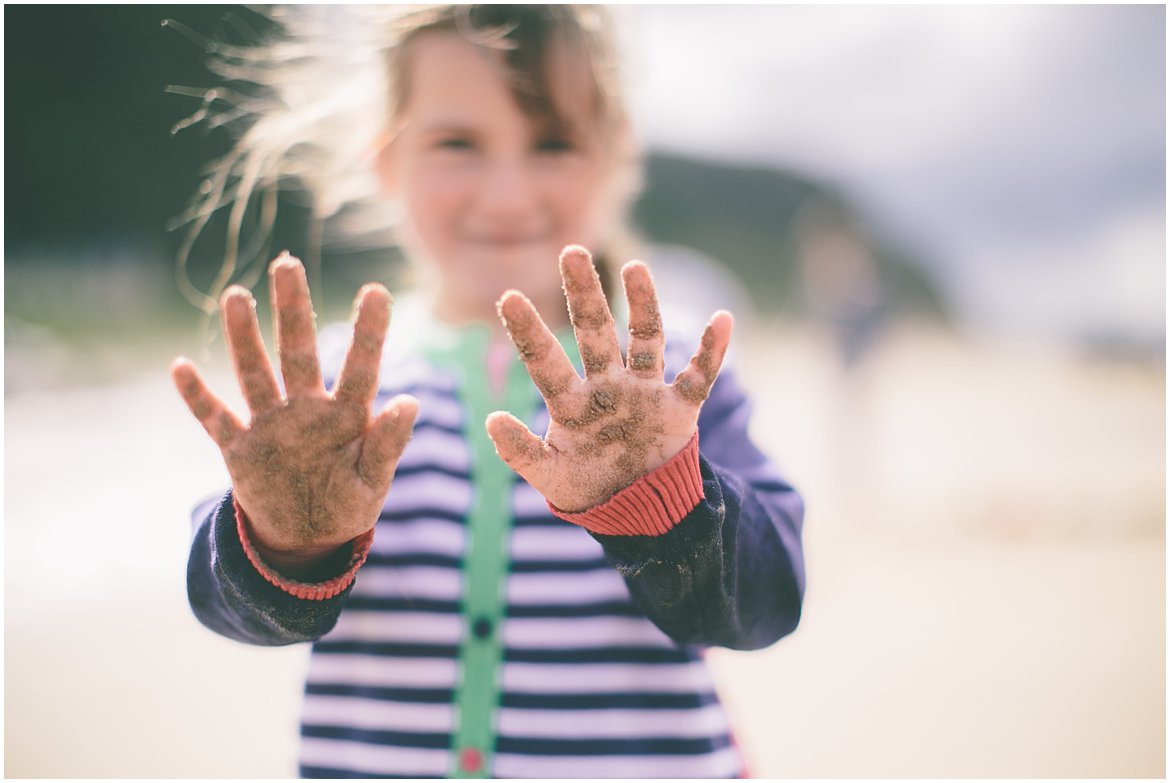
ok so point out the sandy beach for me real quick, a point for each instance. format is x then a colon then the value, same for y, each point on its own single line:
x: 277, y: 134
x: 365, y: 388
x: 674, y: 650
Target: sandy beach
x: 986, y: 558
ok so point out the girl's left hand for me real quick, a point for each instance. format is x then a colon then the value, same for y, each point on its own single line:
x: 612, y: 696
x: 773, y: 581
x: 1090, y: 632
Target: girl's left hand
x: 622, y: 421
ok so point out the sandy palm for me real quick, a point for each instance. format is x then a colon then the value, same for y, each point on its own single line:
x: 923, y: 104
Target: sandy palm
x: 311, y: 468
x: 622, y: 420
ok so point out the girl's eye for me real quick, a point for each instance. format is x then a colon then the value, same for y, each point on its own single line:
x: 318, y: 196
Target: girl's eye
x: 554, y: 145
x: 454, y: 143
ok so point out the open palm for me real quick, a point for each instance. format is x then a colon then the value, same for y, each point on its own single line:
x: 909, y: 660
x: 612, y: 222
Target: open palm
x: 311, y: 468
x: 622, y: 420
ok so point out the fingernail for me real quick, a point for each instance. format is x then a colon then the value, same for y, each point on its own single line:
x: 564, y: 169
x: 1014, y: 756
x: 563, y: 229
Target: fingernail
x: 511, y: 293
x: 283, y: 258
x: 578, y: 250
x: 238, y: 292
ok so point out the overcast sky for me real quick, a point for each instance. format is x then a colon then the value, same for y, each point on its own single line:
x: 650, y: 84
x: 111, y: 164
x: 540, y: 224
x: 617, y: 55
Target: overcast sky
x: 1023, y: 147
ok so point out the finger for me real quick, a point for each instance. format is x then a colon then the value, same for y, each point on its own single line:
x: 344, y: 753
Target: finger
x: 516, y: 444
x: 221, y: 424
x: 543, y: 356
x: 358, y: 380
x: 645, y: 350
x: 694, y: 383
x: 385, y: 441
x: 589, y: 312
x: 296, y: 335
x: 253, y: 367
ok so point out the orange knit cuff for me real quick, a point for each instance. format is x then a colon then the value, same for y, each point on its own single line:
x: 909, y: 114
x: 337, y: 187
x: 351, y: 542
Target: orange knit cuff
x: 310, y: 591
x: 650, y: 506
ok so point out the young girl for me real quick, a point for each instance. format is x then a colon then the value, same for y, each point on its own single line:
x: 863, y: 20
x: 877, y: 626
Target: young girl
x: 482, y: 600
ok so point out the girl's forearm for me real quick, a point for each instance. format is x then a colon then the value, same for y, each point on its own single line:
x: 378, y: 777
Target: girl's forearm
x: 730, y: 574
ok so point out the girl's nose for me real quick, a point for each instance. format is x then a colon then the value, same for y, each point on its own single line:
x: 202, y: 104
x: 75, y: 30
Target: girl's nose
x: 508, y: 187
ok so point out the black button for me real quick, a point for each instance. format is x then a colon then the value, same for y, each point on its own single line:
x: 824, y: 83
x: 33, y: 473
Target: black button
x: 482, y: 627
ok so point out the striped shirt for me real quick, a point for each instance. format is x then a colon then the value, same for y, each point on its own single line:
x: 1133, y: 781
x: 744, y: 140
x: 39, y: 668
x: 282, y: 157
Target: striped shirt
x: 485, y: 637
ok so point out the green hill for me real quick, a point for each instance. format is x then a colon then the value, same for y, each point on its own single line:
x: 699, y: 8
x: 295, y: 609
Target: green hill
x: 753, y: 219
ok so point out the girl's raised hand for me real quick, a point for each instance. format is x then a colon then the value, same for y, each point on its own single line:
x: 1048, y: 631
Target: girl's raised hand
x: 622, y: 420
x: 311, y: 469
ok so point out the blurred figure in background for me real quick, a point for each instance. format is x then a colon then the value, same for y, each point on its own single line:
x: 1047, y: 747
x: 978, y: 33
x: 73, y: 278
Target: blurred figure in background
x: 842, y: 286
x: 460, y: 625
x: 844, y: 295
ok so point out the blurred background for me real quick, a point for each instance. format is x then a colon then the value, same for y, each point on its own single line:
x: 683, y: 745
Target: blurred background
x: 943, y: 232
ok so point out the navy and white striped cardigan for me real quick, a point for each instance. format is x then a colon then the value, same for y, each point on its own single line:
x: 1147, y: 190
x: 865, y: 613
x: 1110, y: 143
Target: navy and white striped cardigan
x: 484, y: 637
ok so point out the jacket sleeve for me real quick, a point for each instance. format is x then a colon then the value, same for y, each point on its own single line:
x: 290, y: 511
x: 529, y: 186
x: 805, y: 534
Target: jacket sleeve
x: 730, y: 573
x: 231, y: 597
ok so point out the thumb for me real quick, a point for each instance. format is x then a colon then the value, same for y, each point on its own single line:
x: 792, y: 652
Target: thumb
x: 387, y: 438
x: 517, y: 446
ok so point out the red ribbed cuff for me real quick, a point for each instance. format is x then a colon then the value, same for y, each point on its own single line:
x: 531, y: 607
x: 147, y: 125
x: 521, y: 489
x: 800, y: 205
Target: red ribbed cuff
x: 650, y: 506
x: 310, y: 591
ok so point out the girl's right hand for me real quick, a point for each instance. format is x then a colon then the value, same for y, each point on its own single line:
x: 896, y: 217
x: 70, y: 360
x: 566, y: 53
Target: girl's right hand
x: 312, y: 468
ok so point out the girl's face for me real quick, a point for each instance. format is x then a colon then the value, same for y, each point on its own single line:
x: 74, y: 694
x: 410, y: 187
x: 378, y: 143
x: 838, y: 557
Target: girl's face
x: 490, y: 200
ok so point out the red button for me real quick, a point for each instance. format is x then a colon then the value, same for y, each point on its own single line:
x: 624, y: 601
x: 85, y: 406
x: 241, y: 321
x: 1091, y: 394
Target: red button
x: 470, y: 760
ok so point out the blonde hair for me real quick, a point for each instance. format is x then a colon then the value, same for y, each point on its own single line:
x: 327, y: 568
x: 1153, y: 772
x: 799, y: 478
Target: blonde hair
x: 310, y: 106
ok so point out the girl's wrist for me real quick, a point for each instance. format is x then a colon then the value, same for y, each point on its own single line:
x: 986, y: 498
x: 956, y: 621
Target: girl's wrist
x: 652, y: 505
x: 309, y: 565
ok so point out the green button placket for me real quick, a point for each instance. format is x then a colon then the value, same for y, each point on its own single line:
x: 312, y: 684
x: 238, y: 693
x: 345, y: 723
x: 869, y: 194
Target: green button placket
x: 485, y: 560
x: 486, y: 557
